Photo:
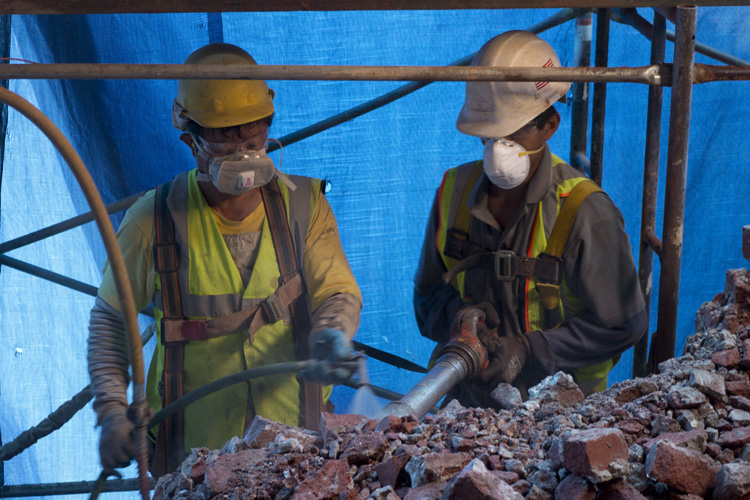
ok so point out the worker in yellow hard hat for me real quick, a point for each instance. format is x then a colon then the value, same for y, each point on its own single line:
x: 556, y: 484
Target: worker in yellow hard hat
x: 529, y: 240
x: 245, y: 268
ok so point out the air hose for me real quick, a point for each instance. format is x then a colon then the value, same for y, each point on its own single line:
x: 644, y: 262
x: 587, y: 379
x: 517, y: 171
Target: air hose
x: 219, y: 384
x: 117, y: 262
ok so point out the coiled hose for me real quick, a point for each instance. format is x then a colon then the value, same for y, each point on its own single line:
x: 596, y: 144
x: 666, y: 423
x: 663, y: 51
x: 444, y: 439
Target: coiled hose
x: 116, y: 260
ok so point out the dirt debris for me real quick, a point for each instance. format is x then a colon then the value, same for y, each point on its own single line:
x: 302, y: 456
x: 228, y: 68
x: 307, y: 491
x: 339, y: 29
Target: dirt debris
x: 683, y: 433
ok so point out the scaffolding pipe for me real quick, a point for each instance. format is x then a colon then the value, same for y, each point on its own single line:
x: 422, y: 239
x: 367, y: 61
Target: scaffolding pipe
x: 89, y: 71
x: 650, y: 188
x: 63, y: 226
x: 663, y: 345
x: 558, y: 18
x: 72, y: 488
x: 601, y: 59
x: 48, y: 275
x: 579, y: 113
x: 631, y: 17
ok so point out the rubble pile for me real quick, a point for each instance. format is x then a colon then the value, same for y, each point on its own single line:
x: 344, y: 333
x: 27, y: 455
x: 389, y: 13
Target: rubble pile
x: 683, y: 433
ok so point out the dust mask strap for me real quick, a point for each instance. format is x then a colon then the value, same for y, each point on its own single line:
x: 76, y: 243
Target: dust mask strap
x: 526, y: 153
x: 281, y: 175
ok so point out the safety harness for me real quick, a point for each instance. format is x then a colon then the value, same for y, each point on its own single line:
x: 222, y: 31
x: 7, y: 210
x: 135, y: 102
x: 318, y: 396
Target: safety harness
x: 547, y: 268
x: 177, y: 330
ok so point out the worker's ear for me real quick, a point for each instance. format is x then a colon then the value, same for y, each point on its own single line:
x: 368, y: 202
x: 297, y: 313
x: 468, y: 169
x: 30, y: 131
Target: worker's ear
x: 549, y: 128
x: 188, y: 139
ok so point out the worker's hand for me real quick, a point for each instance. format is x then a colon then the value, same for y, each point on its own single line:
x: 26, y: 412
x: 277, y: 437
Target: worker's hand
x: 116, y: 445
x: 507, y: 357
x: 330, y: 349
x: 491, y: 319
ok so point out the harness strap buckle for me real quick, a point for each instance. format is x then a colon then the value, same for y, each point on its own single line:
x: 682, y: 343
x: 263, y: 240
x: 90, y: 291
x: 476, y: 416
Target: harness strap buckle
x: 272, y: 309
x: 504, y: 265
x: 554, y: 273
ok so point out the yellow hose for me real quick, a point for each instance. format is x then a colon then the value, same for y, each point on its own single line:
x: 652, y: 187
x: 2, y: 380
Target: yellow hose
x: 115, y: 259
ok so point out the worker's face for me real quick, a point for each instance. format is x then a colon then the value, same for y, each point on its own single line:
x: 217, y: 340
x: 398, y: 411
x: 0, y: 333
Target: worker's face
x: 217, y: 142
x: 532, y: 136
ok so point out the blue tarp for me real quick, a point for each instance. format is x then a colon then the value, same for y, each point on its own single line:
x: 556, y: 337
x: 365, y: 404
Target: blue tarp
x: 383, y: 167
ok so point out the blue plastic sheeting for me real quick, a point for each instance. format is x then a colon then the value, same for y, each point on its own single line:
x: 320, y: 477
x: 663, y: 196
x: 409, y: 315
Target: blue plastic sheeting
x: 384, y: 168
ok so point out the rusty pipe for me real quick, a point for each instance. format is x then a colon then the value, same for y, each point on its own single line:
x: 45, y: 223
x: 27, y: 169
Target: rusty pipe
x: 461, y: 357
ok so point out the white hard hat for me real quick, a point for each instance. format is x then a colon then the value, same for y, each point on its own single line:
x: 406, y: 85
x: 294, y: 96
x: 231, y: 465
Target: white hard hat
x: 498, y: 109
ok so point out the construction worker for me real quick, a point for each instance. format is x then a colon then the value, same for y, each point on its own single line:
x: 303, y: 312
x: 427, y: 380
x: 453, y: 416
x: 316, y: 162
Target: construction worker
x: 568, y: 301
x: 245, y: 268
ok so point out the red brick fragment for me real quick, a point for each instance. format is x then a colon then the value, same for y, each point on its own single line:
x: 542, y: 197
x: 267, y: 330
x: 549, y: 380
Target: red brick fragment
x: 737, y: 287
x: 685, y: 470
x: 364, y: 448
x: 695, y: 439
x: 574, y: 487
x: 476, y: 482
x: 328, y: 482
x: 495, y: 462
x: 391, y: 472
x: 433, y: 467
x: 198, y: 471
x: 349, y: 495
x: 431, y: 491
x: 221, y: 473
x: 590, y: 452
x: 629, y: 426
x: 619, y: 490
x: 331, y: 423
x: 738, y: 388
x: 507, y: 476
x: 735, y: 438
x: 728, y: 359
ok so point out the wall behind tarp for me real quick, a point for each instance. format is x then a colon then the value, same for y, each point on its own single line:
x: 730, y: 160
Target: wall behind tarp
x: 383, y: 167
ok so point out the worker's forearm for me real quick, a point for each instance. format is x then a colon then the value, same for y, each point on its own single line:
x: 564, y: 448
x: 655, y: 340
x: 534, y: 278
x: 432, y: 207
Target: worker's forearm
x: 580, y: 343
x: 340, y: 311
x: 108, y: 357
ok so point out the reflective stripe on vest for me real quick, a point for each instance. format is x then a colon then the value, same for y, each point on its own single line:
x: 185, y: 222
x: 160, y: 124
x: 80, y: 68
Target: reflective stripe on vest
x: 212, y: 287
x: 453, y: 189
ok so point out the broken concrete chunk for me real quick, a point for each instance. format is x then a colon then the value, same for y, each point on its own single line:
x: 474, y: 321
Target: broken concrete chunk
x: 434, y: 467
x: 685, y: 397
x: 263, y: 431
x: 708, y: 383
x: 559, y: 387
x: 732, y: 481
x: 506, y: 396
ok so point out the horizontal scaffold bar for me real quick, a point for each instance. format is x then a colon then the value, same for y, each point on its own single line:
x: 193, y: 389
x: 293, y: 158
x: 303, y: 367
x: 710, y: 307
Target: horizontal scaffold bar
x: 167, y: 6
x: 651, y: 75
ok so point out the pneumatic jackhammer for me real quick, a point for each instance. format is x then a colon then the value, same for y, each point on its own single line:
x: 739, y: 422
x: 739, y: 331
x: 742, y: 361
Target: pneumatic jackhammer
x: 461, y: 357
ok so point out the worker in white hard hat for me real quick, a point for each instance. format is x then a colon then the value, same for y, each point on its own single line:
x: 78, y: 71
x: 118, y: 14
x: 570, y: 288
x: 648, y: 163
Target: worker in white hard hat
x: 245, y: 268
x: 526, y: 238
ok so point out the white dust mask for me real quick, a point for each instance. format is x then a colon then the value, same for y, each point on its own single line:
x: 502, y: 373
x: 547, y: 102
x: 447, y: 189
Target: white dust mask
x: 240, y: 171
x: 506, y: 163
x: 234, y: 168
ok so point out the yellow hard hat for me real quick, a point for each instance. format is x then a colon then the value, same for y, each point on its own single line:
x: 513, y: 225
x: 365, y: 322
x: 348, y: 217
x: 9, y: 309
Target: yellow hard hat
x: 498, y: 109
x: 221, y: 103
